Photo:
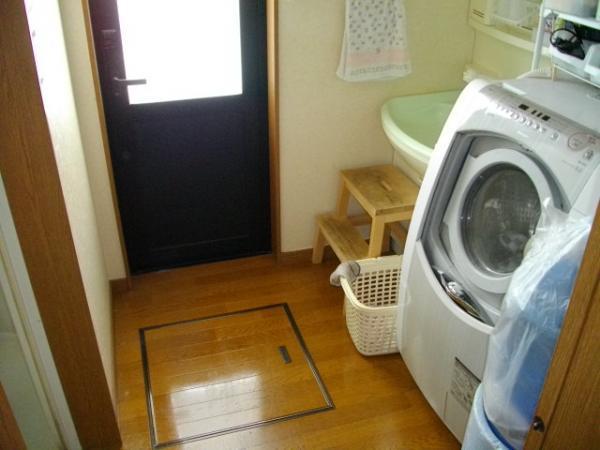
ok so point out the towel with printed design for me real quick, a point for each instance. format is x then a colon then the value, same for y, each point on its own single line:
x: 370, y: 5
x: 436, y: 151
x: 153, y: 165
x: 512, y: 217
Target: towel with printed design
x: 375, y: 45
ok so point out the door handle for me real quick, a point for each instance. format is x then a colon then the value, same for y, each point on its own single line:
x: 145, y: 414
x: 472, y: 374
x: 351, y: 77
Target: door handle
x: 459, y: 296
x: 130, y: 82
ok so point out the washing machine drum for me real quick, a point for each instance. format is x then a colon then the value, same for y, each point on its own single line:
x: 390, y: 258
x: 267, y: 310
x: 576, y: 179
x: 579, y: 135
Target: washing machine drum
x: 499, y: 214
x: 492, y: 213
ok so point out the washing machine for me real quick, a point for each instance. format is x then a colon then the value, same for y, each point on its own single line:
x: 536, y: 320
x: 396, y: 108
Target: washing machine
x: 506, y: 150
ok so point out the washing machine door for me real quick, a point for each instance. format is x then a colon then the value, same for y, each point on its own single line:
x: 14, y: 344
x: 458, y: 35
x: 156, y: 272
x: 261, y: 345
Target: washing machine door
x: 492, y: 213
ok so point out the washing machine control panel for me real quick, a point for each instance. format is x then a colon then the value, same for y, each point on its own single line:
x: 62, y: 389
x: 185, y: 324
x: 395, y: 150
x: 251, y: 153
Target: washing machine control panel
x: 570, y: 151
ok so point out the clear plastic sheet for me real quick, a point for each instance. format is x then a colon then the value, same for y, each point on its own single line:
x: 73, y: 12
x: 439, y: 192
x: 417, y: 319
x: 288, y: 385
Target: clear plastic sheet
x: 479, y: 435
x: 523, y: 341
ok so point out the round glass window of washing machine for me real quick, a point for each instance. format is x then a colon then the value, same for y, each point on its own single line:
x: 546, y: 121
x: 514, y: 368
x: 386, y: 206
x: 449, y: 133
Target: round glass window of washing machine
x: 500, y: 213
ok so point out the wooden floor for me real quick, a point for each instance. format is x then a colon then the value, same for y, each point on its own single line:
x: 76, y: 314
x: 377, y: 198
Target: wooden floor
x: 226, y: 372
x: 377, y: 404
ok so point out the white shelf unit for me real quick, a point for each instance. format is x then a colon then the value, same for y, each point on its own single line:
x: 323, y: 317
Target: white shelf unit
x: 539, y: 49
x: 511, y: 37
x: 517, y: 33
x: 589, y: 22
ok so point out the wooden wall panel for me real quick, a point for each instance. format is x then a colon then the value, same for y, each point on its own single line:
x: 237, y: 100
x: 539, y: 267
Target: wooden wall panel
x: 30, y: 175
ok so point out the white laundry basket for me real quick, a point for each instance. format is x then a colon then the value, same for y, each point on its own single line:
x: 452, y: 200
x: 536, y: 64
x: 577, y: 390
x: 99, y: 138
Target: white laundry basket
x: 371, y: 305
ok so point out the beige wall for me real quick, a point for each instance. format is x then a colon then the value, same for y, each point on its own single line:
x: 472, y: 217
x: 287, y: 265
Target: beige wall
x: 91, y: 136
x: 57, y: 95
x: 328, y: 124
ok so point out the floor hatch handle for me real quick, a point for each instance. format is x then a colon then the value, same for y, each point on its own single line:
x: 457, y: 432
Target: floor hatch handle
x: 285, y: 355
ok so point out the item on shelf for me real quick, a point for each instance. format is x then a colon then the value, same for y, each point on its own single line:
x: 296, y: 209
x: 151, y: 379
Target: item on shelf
x: 517, y: 13
x: 568, y: 62
x: 592, y: 63
x: 583, y: 8
x: 586, y: 33
x: 568, y: 42
x: 575, y: 48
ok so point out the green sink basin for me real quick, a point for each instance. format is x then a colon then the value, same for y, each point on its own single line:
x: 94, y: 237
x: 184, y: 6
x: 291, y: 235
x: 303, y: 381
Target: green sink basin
x: 413, y: 125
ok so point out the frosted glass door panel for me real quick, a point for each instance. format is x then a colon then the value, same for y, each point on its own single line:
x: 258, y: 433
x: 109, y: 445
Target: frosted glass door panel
x: 184, y: 49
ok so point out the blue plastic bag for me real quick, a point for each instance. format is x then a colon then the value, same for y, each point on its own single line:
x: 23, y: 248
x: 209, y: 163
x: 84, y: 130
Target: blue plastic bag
x: 523, y: 341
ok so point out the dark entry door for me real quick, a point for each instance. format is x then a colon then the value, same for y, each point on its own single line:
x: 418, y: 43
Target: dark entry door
x: 184, y: 85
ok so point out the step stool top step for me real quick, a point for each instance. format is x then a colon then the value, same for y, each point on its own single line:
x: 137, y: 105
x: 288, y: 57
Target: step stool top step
x: 381, y: 189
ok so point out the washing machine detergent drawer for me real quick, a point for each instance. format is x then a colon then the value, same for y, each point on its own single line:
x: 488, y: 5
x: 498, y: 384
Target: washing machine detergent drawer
x: 443, y: 347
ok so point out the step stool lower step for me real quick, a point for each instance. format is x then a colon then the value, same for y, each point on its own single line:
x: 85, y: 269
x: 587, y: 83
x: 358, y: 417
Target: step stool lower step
x: 344, y: 238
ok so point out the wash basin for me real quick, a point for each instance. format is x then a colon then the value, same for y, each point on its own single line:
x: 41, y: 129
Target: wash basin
x: 413, y: 125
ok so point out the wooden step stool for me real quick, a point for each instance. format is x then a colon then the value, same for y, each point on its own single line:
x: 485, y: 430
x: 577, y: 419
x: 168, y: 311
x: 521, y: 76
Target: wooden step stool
x: 385, y: 193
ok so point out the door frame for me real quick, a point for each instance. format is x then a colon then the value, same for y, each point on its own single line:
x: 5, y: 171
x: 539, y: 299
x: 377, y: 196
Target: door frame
x: 123, y: 284
x: 569, y: 405
x: 34, y: 192
x: 273, y: 129
x: 273, y: 111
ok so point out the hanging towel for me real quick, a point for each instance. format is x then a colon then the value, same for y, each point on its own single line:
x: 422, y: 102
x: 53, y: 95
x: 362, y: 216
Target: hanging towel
x: 375, y: 46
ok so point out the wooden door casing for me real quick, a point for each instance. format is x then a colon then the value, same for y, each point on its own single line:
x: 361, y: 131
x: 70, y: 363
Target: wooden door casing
x: 33, y: 189
x: 569, y: 405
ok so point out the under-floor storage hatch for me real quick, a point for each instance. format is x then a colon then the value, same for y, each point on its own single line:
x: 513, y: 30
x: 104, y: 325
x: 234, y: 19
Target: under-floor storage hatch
x: 225, y: 373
